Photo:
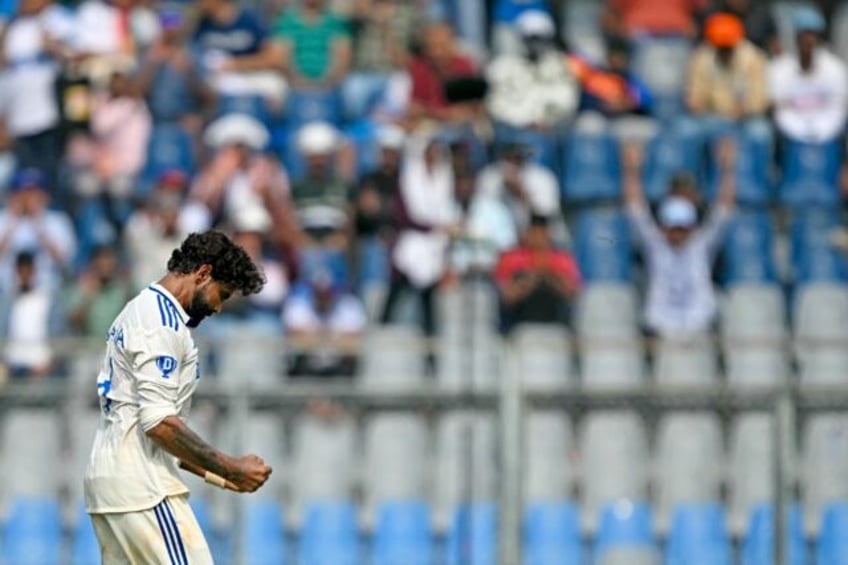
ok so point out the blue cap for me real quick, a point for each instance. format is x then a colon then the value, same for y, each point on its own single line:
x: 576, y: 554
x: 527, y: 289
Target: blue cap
x: 171, y: 18
x: 27, y: 178
x: 806, y: 18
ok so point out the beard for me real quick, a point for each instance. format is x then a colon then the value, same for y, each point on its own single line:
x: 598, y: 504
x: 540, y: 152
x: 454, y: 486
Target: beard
x: 198, y: 310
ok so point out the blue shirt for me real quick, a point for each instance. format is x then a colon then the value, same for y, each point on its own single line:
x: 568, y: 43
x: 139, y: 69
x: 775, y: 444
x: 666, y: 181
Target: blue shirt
x: 243, y: 36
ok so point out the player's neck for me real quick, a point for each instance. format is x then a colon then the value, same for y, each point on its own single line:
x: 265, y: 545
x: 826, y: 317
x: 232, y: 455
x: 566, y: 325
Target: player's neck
x: 180, y: 287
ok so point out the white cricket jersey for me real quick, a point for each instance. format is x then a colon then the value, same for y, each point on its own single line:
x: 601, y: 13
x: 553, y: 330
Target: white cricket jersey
x: 149, y: 373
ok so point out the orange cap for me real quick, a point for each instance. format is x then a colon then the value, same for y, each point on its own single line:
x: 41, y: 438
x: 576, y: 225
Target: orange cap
x: 724, y: 30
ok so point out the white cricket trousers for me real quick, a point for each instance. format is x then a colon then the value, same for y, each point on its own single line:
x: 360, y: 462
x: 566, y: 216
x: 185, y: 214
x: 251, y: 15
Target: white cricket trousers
x: 167, y: 534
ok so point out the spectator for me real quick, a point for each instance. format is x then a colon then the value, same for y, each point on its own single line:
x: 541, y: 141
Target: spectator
x: 104, y: 39
x: 534, y: 88
x: 438, y: 63
x: 99, y: 294
x: 678, y: 253
x: 758, y: 20
x: 727, y: 73
x: 33, y: 44
x: 324, y: 322
x: 536, y: 281
x: 168, y: 77
x: 27, y: 224
x: 31, y: 317
x: 316, y: 46
x: 809, y: 88
x: 631, y: 18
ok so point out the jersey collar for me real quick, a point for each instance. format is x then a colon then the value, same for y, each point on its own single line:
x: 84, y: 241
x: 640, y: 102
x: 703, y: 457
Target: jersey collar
x: 163, y: 292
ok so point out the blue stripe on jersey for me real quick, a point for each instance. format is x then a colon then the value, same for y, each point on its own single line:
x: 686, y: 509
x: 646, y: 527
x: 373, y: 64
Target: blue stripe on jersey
x: 169, y: 303
x: 162, y: 315
x: 176, y: 531
x: 168, y: 315
x: 165, y: 535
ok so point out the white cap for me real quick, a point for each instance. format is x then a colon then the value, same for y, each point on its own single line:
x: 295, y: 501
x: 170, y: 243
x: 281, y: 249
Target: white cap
x: 317, y: 138
x: 677, y: 212
x: 251, y: 219
x: 391, y: 137
x: 535, y: 23
x: 235, y: 128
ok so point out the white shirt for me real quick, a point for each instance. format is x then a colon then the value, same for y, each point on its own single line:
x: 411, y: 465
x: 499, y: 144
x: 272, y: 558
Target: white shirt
x: 56, y: 227
x: 97, y: 28
x: 150, y: 372
x: 28, y: 343
x: 347, y: 316
x: 540, y: 186
x: 681, y: 298
x: 810, y: 107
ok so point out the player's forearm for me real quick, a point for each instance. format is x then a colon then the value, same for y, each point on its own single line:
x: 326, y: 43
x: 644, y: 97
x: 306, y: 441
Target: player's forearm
x: 172, y: 435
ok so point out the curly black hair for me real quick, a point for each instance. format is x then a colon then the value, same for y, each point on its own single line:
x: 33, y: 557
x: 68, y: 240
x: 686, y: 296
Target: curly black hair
x: 230, y: 263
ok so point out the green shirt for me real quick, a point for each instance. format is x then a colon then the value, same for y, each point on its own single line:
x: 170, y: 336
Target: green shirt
x: 103, y: 307
x: 311, y: 41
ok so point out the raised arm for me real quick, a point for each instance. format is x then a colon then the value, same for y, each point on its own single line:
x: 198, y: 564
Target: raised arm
x: 632, y: 157
x: 726, y: 160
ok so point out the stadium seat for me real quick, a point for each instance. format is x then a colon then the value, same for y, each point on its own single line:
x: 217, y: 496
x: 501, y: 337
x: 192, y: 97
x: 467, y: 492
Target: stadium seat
x: 170, y: 147
x: 811, y: 174
x: 833, y: 538
x: 363, y: 135
x: 758, y: 545
x: 473, y: 536
x: 747, y: 253
x: 814, y: 259
x: 686, y: 359
x: 823, y: 465
x: 219, y: 540
x: 552, y: 534
x: 821, y: 330
x: 251, y: 105
x: 32, y: 534
x: 544, y: 356
x: 548, y: 444
x: 29, y: 466
x: 698, y: 536
x: 264, y: 536
x: 750, y: 467
x: 304, y: 106
x: 754, y: 156
x: 661, y: 63
x: 329, y: 535
x: 603, y: 246
x: 688, y: 461
x: 403, y: 535
x: 625, y: 534
x: 393, y: 356
x: 674, y: 149
x: 85, y: 548
x: 592, y: 168
x: 615, y: 461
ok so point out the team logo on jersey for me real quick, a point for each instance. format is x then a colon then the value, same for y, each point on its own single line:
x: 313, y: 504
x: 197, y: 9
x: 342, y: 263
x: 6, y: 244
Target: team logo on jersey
x: 166, y: 365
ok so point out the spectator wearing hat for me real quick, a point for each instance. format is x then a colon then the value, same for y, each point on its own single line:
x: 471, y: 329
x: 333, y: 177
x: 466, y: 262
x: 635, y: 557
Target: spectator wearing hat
x: 727, y: 73
x: 100, y: 293
x: 757, y: 18
x: 679, y: 253
x: 27, y: 224
x: 810, y: 87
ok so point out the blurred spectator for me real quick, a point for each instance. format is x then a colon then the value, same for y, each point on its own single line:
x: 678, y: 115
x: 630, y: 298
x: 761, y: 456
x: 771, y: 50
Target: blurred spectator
x: 240, y: 178
x: 679, y: 254
x: 810, y: 87
x: 30, y: 316
x: 316, y: 45
x: 611, y: 89
x: 727, y: 73
x: 120, y: 128
x: 374, y: 196
x: 33, y: 45
x: 104, y: 38
x: 535, y: 88
x: 168, y: 77
x: 632, y: 18
x: 323, y: 321
x: 425, y: 220
x: 100, y: 293
x: 159, y: 227
x: 536, y: 281
x: 438, y: 63
x: 757, y: 18
x: 27, y: 224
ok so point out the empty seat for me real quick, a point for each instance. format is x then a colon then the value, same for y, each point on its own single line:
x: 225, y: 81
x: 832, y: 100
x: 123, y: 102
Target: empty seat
x: 698, y: 536
x: 33, y: 531
x: 824, y: 464
x: 614, y: 449
x: 472, y: 537
x: 833, y: 539
x: 544, y: 356
x: 626, y: 535
x: 661, y: 63
x: 85, y: 549
x: 814, y: 258
x: 747, y: 255
x: 688, y: 462
x: 248, y: 104
x: 754, y: 156
x: 264, y: 536
x: 393, y: 356
x: 686, y: 360
x: 821, y: 333
x: 811, y: 173
x: 329, y: 535
x: 758, y: 545
x: 674, y: 149
x: 403, y: 535
x: 552, y: 534
x: 751, y: 467
x: 603, y: 246
x: 304, y: 106
x: 592, y: 168
x: 548, y: 472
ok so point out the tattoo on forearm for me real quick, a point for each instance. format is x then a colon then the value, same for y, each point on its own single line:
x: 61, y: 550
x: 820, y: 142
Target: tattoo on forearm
x: 179, y: 440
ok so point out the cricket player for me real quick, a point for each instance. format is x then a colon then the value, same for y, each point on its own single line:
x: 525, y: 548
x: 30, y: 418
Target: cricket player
x: 133, y: 492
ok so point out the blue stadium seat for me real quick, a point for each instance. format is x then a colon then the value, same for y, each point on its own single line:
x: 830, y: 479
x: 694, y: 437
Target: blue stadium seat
x: 403, y: 535
x: 624, y: 525
x: 698, y: 536
x: 329, y: 535
x: 363, y: 135
x: 603, y: 245
x: 753, y: 160
x: 252, y: 105
x: 507, y: 11
x: 552, y: 534
x: 264, y: 540
x: 833, y: 536
x: 674, y: 149
x: 542, y: 145
x: 592, y: 168
x: 748, y: 252
x: 85, y: 549
x: 33, y: 532
x: 170, y: 147
x: 758, y: 547
x: 813, y: 257
x: 472, y: 538
x: 304, y: 106
x: 811, y: 174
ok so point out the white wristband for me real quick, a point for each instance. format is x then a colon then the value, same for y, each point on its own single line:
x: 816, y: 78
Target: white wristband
x: 214, y: 479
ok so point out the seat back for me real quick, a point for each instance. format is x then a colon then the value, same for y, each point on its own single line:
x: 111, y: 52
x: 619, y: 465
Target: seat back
x: 329, y: 535
x: 552, y: 534
x: 748, y: 250
x: 304, y: 106
x: 603, y: 246
x: 698, y: 536
x: 624, y: 525
x: 403, y: 534
x: 472, y: 538
x: 758, y: 546
x: 591, y: 167
x: 833, y: 537
x: 264, y: 533
x: 811, y: 173
x: 33, y: 532
x: 674, y: 149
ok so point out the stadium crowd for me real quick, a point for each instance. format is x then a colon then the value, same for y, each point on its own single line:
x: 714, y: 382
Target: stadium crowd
x: 368, y: 150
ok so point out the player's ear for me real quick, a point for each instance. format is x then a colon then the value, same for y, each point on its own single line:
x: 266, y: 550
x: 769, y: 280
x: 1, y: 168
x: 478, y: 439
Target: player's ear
x: 203, y: 273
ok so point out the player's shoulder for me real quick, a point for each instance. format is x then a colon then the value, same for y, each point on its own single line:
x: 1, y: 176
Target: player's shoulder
x: 154, y: 311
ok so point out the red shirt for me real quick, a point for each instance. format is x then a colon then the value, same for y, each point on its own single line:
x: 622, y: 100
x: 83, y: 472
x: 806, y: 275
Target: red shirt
x: 660, y: 17
x: 428, y: 85
x: 524, y: 260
